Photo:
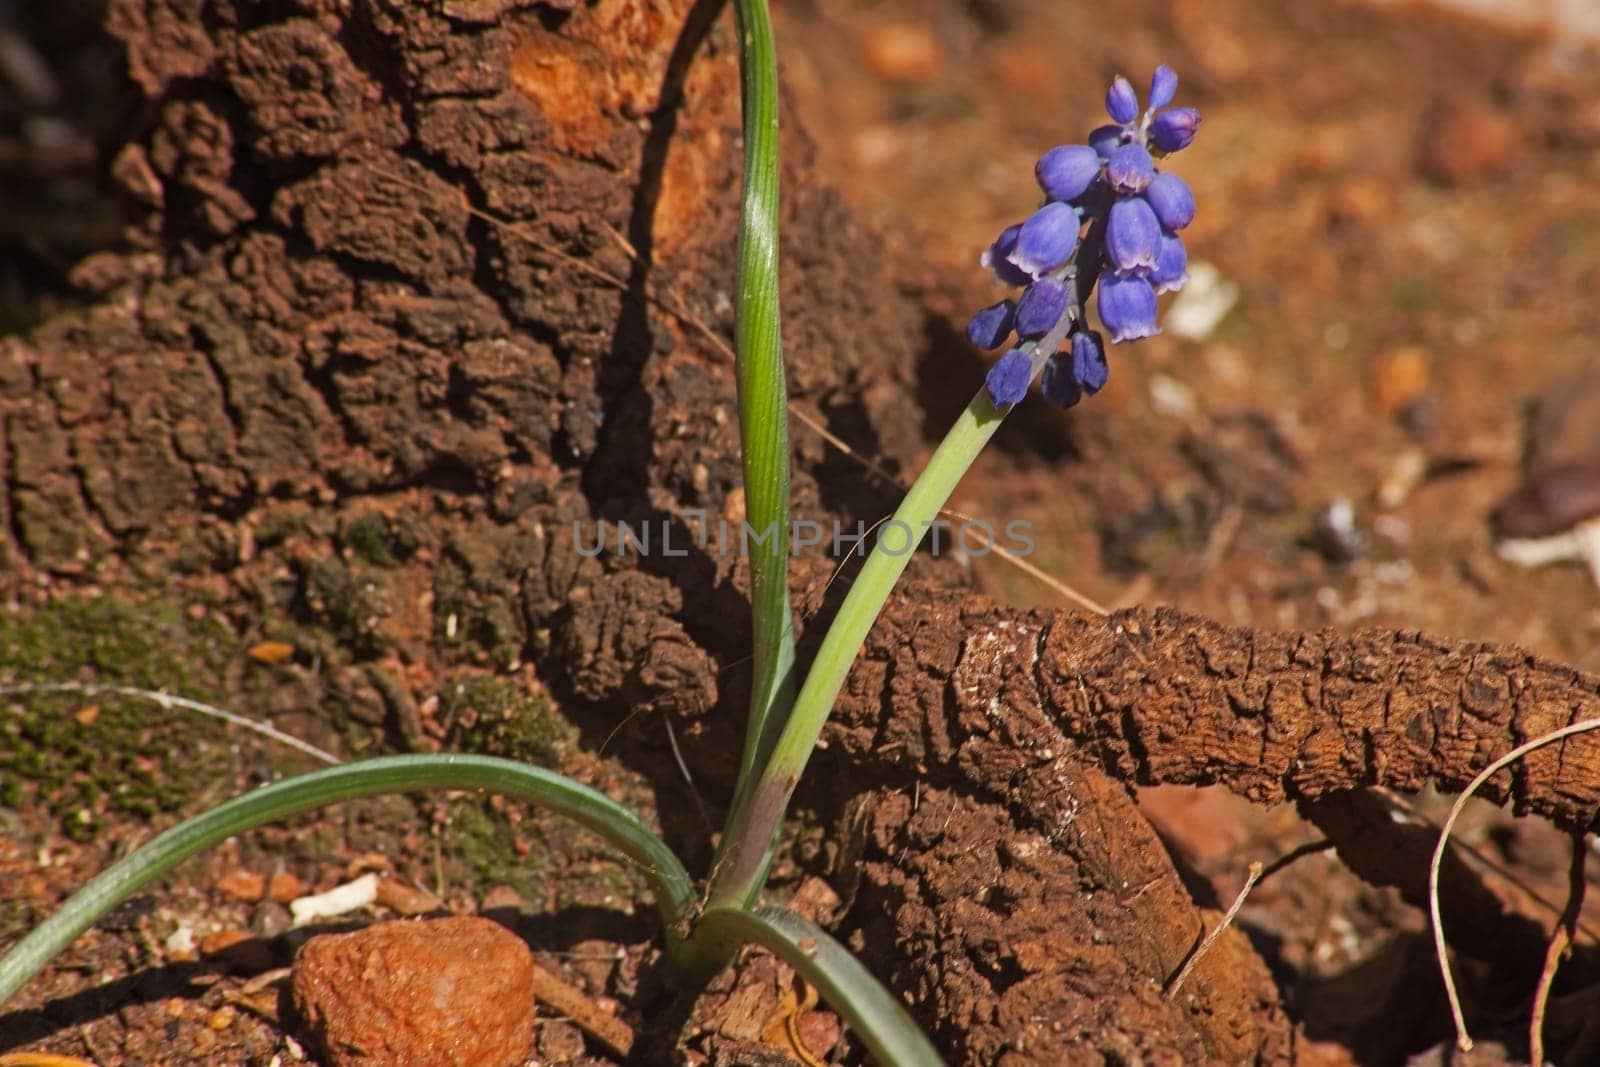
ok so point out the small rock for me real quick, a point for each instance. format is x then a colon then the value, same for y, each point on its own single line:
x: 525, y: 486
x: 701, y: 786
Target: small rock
x: 1400, y: 377
x: 819, y: 1032
x: 239, y: 948
x: 284, y: 887
x: 559, y: 1041
x: 1470, y: 141
x: 406, y: 899
x: 1335, y: 534
x: 438, y: 991
x: 247, y: 886
x: 501, y: 898
x: 269, y: 919
x: 903, y: 52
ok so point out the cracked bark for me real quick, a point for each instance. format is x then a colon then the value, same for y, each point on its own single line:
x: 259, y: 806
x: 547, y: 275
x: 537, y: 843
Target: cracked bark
x: 1035, y: 720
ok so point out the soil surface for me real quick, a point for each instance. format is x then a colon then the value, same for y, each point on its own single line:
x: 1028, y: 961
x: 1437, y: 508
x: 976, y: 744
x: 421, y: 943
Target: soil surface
x: 409, y: 303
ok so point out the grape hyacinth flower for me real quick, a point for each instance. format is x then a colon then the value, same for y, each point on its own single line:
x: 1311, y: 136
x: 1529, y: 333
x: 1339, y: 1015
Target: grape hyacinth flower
x: 1110, y: 221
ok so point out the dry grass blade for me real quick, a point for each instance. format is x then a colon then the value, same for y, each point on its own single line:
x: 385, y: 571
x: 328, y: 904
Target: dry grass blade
x: 566, y: 999
x: 1204, y: 947
x: 1463, y: 1038
x: 1561, y: 939
x: 1486, y: 862
x: 168, y: 701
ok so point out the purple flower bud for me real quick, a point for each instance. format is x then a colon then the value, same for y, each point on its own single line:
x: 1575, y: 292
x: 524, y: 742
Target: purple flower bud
x: 1008, y: 379
x: 1127, y: 306
x: 1130, y: 169
x: 1174, y: 128
x: 1089, y: 368
x: 1106, y: 140
x: 1058, y: 385
x: 1133, y: 235
x: 1163, y: 86
x: 1172, y: 265
x: 990, y: 327
x: 1169, y: 195
x: 1067, y: 171
x: 1122, y: 103
x: 1040, y: 307
x: 1046, y: 240
x: 997, y: 257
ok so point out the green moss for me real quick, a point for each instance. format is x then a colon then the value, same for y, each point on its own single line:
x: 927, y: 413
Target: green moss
x: 83, y: 757
x: 496, y: 717
x: 354, y: 603
x: 462, y: 618
x: 367, y: 537
x: 484, y: 843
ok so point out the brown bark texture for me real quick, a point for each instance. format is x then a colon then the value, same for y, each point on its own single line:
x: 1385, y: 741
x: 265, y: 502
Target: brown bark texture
x: 460, y: 272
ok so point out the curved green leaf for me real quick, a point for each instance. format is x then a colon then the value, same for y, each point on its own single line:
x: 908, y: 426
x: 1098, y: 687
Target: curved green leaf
x: 763, y: 393
x: 877, y: 1017
x: 669, y: 881
x: 745, y: 854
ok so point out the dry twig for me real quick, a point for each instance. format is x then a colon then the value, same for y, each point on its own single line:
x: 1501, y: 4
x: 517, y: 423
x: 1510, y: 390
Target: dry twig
x: 1204, y: 947
x: 168, y: 701
x: 1463, y: 1038
x: 1561, y: 939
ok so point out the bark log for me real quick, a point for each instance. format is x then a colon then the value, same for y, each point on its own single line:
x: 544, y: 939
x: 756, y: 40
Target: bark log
x: 461, y: 275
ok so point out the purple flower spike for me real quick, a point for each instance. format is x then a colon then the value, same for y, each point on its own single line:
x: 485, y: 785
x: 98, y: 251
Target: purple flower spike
x: 1172, y: 265
x: 1169, y: 195
x: 1008, y: 379
x: 1133, y: 235
x: 1163, y: 87
x: 1130, y: 169
x: 1040, y: 307
x: 1127, y: 307
x: 1046, y: 240
x: 990, y: 327
x: 1106, y: 140
x: 1174, y: 128
x: 1122, y: 103
x: 1089, y: 368
x: 1133, y: 213
x: 1066, y: 172
x: 997, y: 257
x: 1058, y: 385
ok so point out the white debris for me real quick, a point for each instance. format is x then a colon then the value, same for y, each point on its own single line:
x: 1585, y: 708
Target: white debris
x: 1171, y: 398
x: 1581, y: 543
x: 1201, y: 304
x: 337, y: 901
x: 181, y: 941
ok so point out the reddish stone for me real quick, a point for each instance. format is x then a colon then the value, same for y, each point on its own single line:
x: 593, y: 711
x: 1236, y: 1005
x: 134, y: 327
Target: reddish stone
x: 284, y: 887
x: 242, y: 885
x: 240, y: 948
x: 414, y: 994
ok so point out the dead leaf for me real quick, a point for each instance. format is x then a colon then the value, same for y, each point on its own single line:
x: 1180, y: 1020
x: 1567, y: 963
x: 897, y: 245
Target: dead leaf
x: 783, y: 1029
x: 271, y: 653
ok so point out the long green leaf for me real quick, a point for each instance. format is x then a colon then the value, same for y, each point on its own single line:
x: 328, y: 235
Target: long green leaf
x: 745, y: 854
x: 877, y: 1017
x: 674, y: 892
x: 763, y: 394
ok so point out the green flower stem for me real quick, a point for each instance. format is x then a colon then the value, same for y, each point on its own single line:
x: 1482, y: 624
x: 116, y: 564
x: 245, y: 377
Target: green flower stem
x: 882, y: 1022
x: 674, y: 892
x: 746, y: 850
x: 763, y: 395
